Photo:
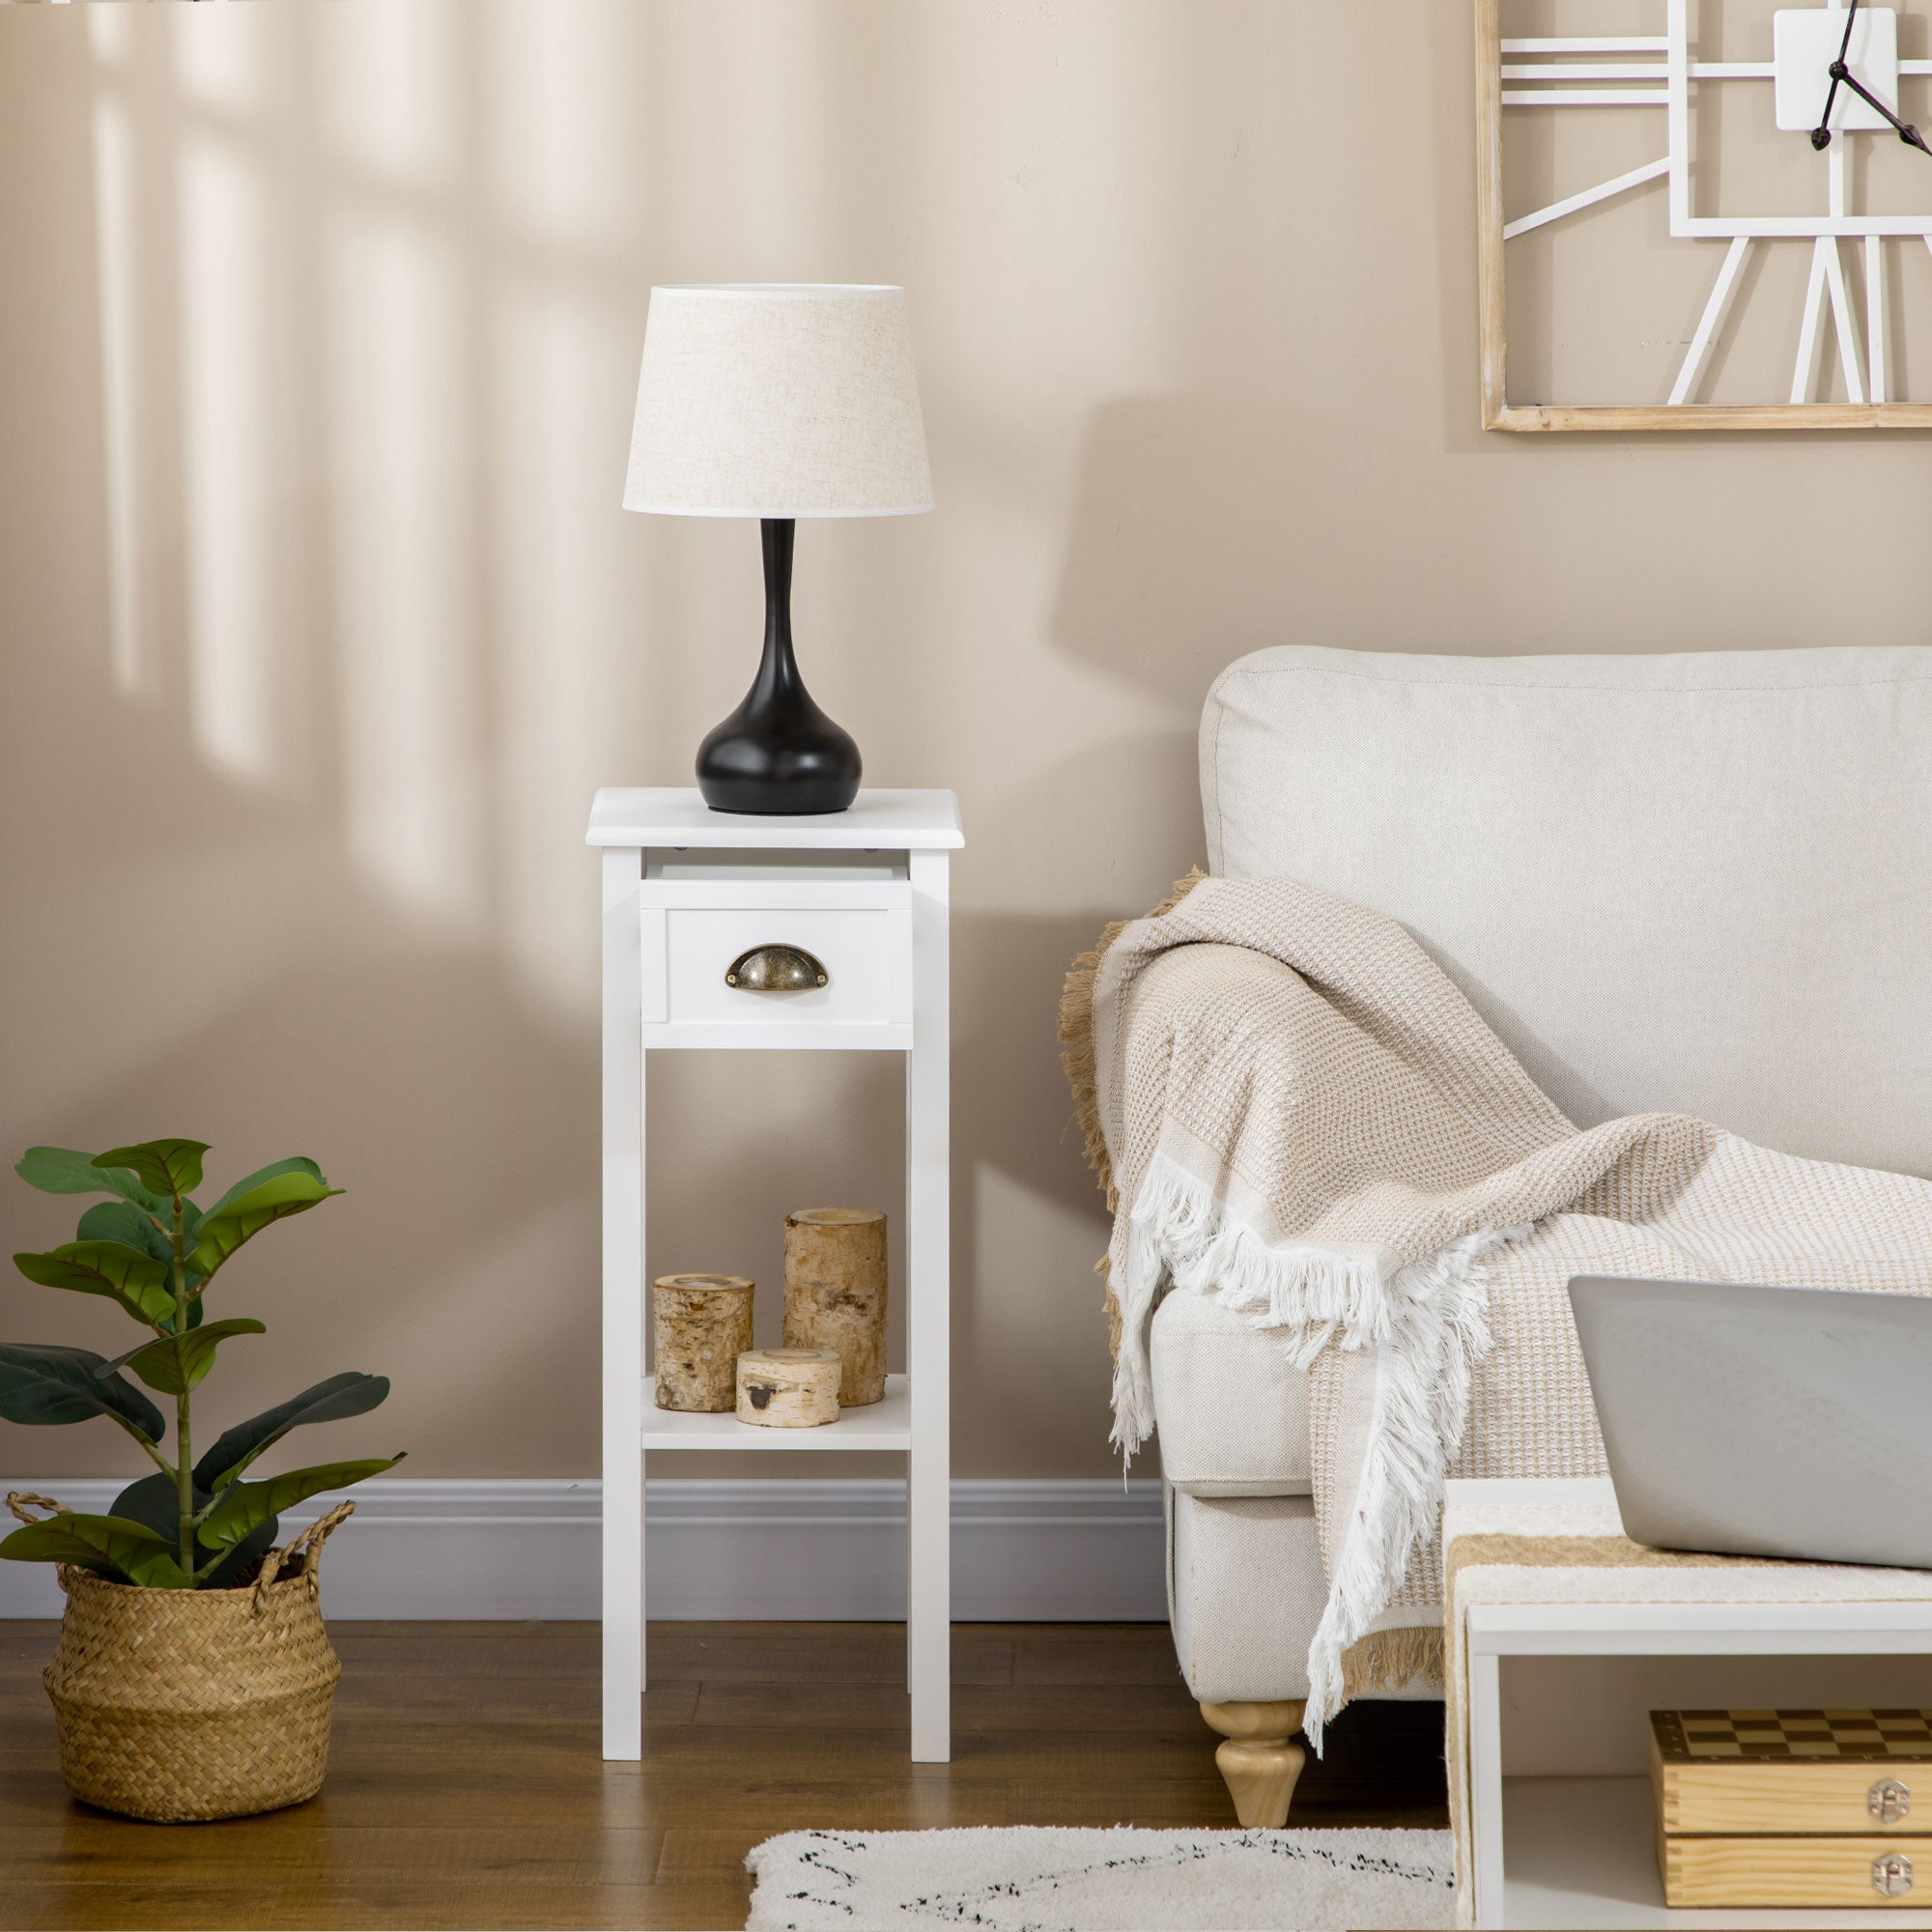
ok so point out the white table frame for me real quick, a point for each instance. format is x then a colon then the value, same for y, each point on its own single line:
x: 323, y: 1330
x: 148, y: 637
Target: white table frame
x: 1498, y: 1631
x: 921, y: 829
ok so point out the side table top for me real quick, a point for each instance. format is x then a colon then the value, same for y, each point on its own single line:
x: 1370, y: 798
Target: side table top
x: 675, y: 815
x: 1554, y: 1553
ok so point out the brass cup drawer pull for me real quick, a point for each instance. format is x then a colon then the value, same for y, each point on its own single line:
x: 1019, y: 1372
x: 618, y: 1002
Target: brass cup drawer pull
x: 776, y: 969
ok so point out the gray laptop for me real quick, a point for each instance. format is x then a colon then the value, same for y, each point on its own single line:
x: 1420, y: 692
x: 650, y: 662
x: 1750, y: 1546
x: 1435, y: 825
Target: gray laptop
x: 1765, y: 1420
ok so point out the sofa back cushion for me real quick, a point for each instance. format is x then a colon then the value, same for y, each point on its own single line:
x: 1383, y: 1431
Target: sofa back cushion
x: 1700, y: 883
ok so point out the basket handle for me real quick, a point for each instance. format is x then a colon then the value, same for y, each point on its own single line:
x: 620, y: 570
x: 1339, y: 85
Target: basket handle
x: 18, y: 1499
x: 310, y: 1541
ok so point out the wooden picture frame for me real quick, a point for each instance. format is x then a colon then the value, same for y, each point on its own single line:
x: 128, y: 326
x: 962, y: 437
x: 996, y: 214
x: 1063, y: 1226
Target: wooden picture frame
x: 1667, y: 57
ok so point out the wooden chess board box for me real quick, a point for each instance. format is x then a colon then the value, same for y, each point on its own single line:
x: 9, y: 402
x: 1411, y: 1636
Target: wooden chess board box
x: 1793, y: 1807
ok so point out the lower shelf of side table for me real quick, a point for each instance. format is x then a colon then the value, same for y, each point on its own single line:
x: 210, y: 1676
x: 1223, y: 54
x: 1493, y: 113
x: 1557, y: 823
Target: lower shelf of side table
x: 879, y: 1425
x: 1582, y: 1852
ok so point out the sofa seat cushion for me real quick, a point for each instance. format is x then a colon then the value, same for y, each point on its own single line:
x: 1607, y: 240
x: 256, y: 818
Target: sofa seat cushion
x: 1690, y: 883
x: 1230, y: 1408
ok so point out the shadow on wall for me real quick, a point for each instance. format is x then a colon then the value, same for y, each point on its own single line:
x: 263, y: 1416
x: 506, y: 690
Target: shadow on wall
x: 1012, y: 1107
x: 1191, y: 518
x: 253, y: 992
x: 295, y: 833
x: 1012, y: 1110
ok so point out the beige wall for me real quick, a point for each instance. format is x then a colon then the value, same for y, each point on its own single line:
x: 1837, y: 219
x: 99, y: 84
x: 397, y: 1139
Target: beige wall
x: 319, y: 327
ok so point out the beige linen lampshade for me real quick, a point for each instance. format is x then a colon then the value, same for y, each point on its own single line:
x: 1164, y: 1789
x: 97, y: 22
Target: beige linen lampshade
x: 778, y: 400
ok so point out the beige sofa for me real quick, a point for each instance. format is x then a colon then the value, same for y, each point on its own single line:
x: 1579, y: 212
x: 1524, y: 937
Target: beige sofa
x: 1693, y: 882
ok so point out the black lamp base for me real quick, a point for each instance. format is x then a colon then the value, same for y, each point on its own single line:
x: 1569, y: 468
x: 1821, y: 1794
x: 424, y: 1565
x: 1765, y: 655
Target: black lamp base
x: 778, y: 754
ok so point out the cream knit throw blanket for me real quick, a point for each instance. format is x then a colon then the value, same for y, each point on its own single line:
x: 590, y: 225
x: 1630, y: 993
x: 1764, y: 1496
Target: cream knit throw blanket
x: 1290, y: 1106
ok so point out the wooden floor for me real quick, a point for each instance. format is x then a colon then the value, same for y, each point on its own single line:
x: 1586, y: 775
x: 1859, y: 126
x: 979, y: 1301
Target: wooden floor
x: 466, y: 1790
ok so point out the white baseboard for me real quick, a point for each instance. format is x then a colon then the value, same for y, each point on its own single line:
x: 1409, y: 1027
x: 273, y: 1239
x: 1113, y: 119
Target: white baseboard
x: 1071, y: 1552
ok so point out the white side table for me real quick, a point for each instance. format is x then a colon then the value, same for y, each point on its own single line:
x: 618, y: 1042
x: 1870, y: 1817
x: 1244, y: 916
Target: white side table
x: 1582, y: 1848
x: 686, y: 892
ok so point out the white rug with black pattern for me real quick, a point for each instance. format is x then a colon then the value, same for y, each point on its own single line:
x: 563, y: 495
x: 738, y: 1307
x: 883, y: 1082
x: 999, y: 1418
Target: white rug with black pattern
x: 1015, y: 1879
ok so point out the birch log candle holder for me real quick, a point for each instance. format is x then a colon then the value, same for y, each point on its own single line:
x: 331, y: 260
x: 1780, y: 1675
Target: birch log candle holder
x: 835, y: 1294
x: 788, y: 1388
x: 703, y: 1323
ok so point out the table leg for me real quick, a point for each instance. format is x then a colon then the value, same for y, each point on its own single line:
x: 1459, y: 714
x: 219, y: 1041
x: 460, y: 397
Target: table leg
x: 1486, y: 1786
x: 928, y: 1238
x: 623, y: 1179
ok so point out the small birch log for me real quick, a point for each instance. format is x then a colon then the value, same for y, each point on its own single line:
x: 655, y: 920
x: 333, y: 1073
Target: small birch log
x: 703, y: 1323
x: 835, y: 1294
x: 788, y: 1388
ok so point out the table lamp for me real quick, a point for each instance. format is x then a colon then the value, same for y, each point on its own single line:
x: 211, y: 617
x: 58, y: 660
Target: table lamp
x: 778, y: 401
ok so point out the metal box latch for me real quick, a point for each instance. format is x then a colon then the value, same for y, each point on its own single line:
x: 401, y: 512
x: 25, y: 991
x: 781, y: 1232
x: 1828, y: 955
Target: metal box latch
x: 1892, y: 1875
x: 1888, y: 1801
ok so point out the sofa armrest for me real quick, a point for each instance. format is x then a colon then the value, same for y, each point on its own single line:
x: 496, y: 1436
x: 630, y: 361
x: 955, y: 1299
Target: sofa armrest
x: 1231, y: 1407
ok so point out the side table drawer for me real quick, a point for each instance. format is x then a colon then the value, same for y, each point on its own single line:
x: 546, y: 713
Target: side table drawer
x: 865, y: 952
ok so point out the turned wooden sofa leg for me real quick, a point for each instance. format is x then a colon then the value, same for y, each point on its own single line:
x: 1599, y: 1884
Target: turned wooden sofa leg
x: 1257, y: 1759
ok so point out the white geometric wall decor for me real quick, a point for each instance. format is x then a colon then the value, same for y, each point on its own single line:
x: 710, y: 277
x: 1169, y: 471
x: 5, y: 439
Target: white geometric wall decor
x: 1724, y: 146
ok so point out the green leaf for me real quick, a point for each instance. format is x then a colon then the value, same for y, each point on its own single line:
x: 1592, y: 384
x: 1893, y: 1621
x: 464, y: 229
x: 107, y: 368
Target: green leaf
x: 122, y: 1221
x: 154, y: 1501
x: 42, y: 1384
x: 111, y: 1545
x: 132, y: 1224
x: 256, y: 1543
x: 120, y: 1360
x: 171, y: 1167
x: 298, y: 1163
x: 245, y: 1216
x: 174, y: 1364
x: 68, y: 1171
x: 192, y: 1218
x: 136, y: 1281
x: 332, y: 1401
x: 244, y: 1505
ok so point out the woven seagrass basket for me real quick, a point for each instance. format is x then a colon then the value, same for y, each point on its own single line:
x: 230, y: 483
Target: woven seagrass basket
x: 184, y: 1704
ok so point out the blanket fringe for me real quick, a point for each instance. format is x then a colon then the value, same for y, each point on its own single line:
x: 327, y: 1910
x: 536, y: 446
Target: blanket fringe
x: 1391, y: 1660
x: 1332, y: 1293
x: 1177, y: 1229
x: 1424, y: 1373
x: 1427, y: 1323
x: 1076, y: 1057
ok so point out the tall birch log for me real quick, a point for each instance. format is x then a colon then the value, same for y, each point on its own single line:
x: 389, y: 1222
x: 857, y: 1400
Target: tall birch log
x: 703, y: 1323
x: 835, y: 1294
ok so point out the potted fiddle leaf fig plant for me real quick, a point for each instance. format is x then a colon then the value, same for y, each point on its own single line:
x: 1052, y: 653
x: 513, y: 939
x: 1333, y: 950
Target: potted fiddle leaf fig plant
x: 193, y: 1677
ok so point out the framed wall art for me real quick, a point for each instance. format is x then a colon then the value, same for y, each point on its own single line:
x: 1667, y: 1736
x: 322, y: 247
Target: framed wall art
x: 1705, y: 215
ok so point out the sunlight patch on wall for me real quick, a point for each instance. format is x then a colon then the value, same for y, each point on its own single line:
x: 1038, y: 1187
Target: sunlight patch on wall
x: 111, y: 30
x: 229, y: 486
x: 559, y: 534
x: 220, y: 57
x: 565, y: 108
x: 388, y: 98
x: 115, y: 243
x: 404, y: 568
